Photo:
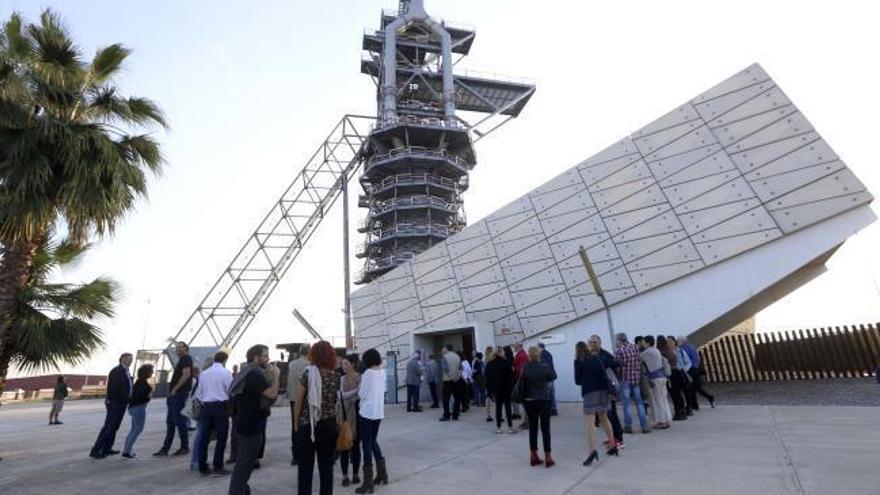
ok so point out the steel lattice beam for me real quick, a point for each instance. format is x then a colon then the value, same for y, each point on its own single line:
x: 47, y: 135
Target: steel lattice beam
x: 242, y: 289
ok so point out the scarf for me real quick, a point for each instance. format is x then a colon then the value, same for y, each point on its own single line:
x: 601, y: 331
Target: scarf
x: 314, y: 396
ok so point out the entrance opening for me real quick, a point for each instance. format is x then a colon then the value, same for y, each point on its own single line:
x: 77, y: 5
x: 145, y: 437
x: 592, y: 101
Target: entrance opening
x: 462, y: 339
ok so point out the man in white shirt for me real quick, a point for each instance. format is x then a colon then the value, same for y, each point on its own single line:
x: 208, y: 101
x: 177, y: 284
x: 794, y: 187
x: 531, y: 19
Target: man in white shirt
x: 213, y: 394
x: 464, y: 384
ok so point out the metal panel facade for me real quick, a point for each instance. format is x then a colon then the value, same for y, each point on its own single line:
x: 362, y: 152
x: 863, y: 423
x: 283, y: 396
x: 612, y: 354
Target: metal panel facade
x: 735, y: 168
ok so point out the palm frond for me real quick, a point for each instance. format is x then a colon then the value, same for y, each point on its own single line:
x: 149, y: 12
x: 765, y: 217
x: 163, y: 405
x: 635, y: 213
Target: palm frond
x: 45, y: 344
x: 18, y: 47
x: 107, y: 62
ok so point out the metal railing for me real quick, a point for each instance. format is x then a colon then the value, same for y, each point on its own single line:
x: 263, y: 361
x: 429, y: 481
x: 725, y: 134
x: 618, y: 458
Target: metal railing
x: 407, y: 179
x: 415, y: 202
x: 420, y: 121
x: 408, y: 230
x: 386, y: 262
x: 418, y: 151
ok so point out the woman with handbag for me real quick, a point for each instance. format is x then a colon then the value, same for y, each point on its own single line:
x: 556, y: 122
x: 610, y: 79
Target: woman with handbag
x: 590, y: 374
x: 370, y: 415
x: 315, y: 419
x: 347, y: 444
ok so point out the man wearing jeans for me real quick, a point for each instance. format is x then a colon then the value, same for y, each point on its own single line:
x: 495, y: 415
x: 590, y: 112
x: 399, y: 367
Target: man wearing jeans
x: 630, y: 388
x: 213, y: 393
x: 181, y: 382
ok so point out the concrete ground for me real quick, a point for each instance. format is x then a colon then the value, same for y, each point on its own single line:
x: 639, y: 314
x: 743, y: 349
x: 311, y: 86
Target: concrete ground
x: 731, y: 449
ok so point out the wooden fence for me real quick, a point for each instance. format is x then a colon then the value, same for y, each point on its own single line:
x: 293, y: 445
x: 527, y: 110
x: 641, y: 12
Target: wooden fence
x: 831, y: 352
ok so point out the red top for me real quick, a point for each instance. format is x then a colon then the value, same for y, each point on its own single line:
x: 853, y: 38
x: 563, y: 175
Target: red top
x: 519, y: 360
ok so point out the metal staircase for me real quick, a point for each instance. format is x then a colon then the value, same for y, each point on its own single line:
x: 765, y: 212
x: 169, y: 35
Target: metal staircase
x: 246, y: 284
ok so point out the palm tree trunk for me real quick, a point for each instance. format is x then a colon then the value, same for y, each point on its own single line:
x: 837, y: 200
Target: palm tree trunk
x: 15, y: 269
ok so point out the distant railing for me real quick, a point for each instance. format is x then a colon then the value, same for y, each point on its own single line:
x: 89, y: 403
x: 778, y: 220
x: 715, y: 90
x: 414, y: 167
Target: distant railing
x: 415, y: 201
x: 417, y: 151
x: 404, y: 179
x: 830, y: 352
x: 420, y: 121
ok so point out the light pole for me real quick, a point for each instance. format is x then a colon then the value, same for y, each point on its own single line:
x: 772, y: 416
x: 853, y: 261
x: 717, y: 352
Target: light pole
x: 599, y: 292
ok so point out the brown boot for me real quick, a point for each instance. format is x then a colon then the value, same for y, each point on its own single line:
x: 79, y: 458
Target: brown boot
x: 534, y: 460
x: 548, y: 461
x: 367, y: 486
x: 381, y: 473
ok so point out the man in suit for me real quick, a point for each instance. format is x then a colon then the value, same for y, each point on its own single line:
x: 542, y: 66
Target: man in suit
x: 119, y: 387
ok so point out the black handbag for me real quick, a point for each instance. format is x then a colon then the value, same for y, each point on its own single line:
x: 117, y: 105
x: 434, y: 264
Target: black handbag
x: 518, y: 393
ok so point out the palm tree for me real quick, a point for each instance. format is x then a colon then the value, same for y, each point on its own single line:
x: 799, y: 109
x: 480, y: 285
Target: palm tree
x: 54, y: 322
x: 73, y: 157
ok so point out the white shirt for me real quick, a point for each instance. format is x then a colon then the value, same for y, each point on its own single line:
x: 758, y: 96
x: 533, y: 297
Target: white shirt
x: 466, y: 371
x: 214, y: 384
x: 372, y: 394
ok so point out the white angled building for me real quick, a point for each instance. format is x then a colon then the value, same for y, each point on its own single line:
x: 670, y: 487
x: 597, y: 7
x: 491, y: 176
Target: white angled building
x: 693, y: 223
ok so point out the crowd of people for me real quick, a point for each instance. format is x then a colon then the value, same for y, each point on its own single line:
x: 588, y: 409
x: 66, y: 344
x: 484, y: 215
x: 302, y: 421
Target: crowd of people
x: 642, y: 377
x: 337, y: 403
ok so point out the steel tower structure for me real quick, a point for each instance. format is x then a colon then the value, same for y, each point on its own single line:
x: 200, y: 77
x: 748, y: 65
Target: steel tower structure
x: 419, y: 153
x: 416, y: 158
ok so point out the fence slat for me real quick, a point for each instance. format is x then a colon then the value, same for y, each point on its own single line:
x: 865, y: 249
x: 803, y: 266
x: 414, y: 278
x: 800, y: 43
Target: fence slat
x: 793, y: 351
x: 825, y: 360
x: 811, y: 367
x: 725, y: 358
x: 857, y: 357
x: 873, y: 345
x: 745, y: 359
x: 864, y: 348
x: 750, y: 341
x: 835, y: 352
x: 804, y: 354
x: 716, y: 362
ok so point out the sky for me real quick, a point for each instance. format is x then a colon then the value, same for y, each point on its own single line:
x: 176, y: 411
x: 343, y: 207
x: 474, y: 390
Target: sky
x: 252, y: 88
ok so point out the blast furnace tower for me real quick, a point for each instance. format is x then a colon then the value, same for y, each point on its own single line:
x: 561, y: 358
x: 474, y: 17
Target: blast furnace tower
x: 419, y: 153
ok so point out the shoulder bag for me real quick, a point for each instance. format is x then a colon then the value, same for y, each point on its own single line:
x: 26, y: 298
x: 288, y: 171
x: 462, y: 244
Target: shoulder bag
x: 344, y: 440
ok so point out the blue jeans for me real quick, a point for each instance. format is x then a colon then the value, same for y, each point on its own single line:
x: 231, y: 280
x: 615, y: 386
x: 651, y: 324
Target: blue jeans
x: 138, y: 417
x: 632, y: 392
x: 368, y: 432
x: 176, y: 419
x: 479, y: 393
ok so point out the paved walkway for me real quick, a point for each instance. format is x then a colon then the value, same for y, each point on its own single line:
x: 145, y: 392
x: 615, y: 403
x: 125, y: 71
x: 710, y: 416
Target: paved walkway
x: 731, y: 449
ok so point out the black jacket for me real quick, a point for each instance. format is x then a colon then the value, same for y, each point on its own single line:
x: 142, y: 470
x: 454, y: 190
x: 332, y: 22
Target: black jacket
x: 119, y: 385
x: 499, y: 378
x: 536, y: 378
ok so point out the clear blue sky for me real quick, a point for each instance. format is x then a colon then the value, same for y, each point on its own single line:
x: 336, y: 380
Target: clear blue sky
x: 251, y: 88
